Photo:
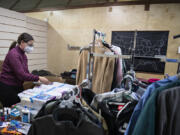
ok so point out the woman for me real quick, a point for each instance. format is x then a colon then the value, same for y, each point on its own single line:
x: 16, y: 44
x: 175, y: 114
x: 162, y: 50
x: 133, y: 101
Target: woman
x: 15, y: 71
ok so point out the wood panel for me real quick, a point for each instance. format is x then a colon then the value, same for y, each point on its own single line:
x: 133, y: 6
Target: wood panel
x: 36, y: 27
x: 36, y: 51
x: 11, y: 29
x: 3, y: 51
x: 37, y: 56
x: 36, y: 21
x: 37, y: 62
x: 8, y: 36
x: 40, y: 39
x: 39, y: 51
x: 37, y: 33
x: 38, y: 67
x: 12, y: 24
x: 2, y: 57
x: 12, y: 21
x: 40, y: 45
x: 12, y: 14
x: 5, y: 43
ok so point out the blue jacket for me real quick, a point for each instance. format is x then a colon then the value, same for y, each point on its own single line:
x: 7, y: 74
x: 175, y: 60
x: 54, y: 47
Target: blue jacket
x: 143, y: 101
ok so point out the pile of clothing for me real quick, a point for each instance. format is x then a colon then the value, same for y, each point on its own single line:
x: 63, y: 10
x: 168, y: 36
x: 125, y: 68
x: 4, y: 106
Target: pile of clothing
x: 154, y: 111
x: 101, y: 114
x: 116, y: 107
x: 69, y: 77
x: 157, y: 112
x: 67, y: 116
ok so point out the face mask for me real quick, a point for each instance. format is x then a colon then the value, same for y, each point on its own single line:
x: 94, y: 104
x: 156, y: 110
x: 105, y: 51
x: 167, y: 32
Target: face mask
x: 28, y: 49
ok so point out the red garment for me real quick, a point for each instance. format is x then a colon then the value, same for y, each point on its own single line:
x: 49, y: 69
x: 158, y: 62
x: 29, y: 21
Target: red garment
x: 153, y: 80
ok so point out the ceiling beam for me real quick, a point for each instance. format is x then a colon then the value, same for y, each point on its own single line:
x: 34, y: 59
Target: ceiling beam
x: 39, y: 2
x: 68, y: 3
x: 14, y: 4
x: 122, y: 3
x: 147, y: 5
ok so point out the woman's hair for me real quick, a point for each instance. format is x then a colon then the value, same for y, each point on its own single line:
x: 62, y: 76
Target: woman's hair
x: 23, y: 37
x: 13, y: 45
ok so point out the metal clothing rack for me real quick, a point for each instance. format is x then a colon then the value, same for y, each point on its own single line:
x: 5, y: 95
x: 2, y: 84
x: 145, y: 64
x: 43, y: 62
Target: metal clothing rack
x: 92, y: 54
x: 156, y: 57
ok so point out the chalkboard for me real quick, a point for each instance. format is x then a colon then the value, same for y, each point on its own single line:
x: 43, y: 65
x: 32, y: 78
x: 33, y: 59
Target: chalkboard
x: 148, y: 43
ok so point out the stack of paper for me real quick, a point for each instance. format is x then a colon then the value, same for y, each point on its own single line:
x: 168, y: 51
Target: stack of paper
x: 36, y: 97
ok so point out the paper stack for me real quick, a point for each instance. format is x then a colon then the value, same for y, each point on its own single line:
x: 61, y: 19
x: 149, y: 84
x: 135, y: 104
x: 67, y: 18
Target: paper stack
x: 36, y: 97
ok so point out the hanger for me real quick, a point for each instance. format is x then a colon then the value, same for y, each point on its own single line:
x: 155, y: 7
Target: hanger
x: 127, y: 84
x: 178, y: 75
x: 122, y: 109
x: 176, y: 36
x: 70, y: 97
x: 100, y: 40
x: 104, y: 43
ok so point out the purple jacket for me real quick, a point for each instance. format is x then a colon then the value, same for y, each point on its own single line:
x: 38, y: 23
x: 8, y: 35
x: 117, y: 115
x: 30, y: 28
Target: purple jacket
x: 15, y: 68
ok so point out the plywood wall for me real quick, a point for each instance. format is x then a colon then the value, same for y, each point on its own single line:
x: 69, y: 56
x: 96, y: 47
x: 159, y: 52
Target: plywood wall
x: 75, y: 27
x: 12, y: 24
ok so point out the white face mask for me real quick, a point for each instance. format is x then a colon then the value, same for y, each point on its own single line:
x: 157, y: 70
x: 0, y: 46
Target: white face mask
x: 28, y: 49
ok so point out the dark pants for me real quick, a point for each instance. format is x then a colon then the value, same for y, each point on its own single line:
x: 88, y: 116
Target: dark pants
x: 9, y: 94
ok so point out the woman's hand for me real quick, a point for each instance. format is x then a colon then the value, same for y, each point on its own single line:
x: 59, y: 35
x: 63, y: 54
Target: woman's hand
x: 44, y: 80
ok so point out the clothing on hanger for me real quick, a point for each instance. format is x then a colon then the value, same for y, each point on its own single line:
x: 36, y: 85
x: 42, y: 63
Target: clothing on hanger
x: 67, y: 116
x: 109, y: 105
x: 65, y: 121
x: 144, y: 99
x: 146, y: 122
x: 119, y: 76
x: 108, y: 95
x: 102, y: 71
x: 168, y: 109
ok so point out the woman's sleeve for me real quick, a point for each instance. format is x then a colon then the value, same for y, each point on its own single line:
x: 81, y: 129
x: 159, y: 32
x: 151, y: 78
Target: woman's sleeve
x: 17, y: 67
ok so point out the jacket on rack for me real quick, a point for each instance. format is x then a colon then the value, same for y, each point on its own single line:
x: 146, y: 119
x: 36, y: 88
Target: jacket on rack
x: 54, y: 120
x: 145, y: 124
x: 168, y: 109
x: 116, y: 110
x: 102, y: 71
x: 65, y: 122
x: 119, y: 74
x: 139, y: 107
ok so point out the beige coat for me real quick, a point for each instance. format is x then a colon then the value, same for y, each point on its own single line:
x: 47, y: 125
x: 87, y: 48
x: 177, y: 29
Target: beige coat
x: 102, y: 72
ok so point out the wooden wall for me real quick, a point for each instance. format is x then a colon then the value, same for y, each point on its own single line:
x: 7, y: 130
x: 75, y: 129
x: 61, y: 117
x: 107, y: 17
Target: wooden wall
x: 12, y: 24
x: 75, y: 27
